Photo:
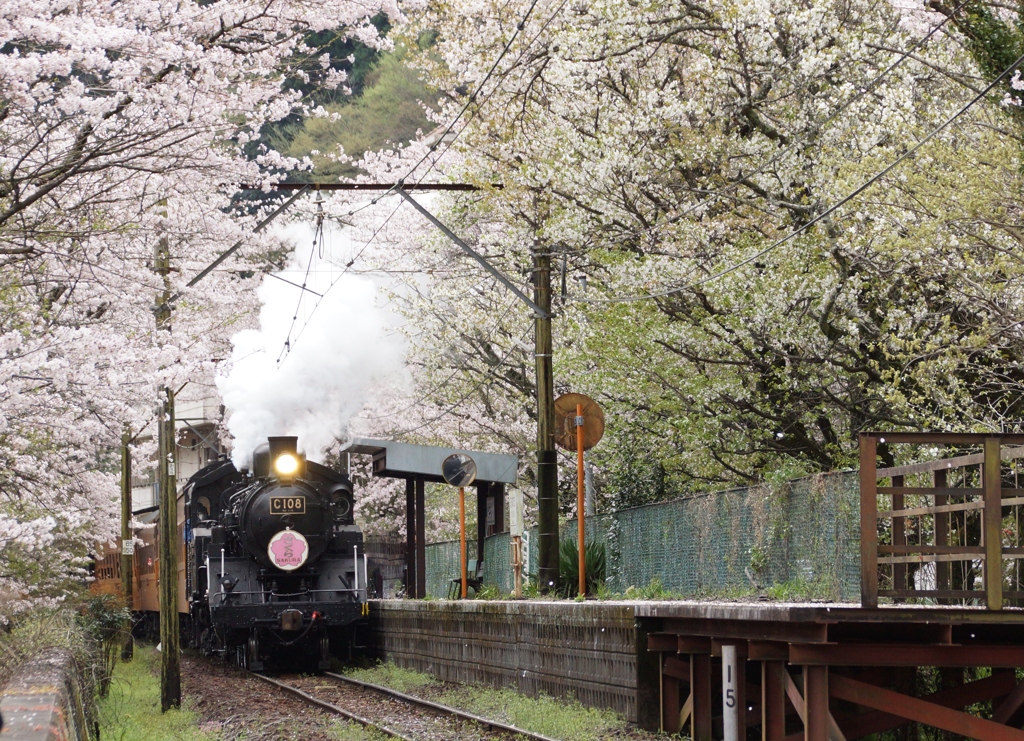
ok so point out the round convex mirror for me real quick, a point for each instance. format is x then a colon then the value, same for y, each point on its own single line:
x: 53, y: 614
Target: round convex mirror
x: 459, y: 469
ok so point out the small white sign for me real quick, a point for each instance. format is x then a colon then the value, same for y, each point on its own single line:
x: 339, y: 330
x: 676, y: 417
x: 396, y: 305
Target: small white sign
x: 128, y: 548
x: 515, y: 512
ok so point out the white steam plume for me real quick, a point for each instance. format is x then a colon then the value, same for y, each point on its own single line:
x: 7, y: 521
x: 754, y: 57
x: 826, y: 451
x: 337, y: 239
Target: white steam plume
x: 338, y: 352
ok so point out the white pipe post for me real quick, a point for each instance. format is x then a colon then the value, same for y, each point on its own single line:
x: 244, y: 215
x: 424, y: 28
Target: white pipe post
x: 355, y: 564
x: 730, y: 694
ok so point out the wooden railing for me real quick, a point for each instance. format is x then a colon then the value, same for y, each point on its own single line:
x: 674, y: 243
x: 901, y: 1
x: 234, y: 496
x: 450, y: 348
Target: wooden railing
x: 943, y: 531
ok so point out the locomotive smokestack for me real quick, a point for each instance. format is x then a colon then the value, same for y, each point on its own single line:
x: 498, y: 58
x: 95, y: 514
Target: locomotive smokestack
x: 279, y: 445
x: 285, y: 461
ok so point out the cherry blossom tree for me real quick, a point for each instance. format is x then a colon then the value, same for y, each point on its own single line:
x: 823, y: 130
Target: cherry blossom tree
x: 682, y: 162
x: 126, y: 127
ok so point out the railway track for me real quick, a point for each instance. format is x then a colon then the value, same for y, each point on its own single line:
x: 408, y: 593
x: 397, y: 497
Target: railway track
x: 395, y: 714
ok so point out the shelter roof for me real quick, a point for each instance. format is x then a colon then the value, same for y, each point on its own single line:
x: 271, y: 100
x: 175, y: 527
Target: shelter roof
x: 405, y: 460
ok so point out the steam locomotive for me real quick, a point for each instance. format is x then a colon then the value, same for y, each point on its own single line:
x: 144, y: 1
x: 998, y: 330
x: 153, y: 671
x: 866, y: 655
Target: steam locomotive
x: 274, y: 559
x: 271, y: 561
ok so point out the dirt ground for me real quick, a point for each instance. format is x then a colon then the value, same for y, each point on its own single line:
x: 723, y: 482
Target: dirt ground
x: 241, y: 707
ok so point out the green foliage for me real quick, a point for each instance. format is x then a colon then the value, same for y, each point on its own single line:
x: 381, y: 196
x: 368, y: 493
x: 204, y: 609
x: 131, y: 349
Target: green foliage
x: 801, y: 590
x: 594, y: 562
x: 489, y: 591
x: 654, y: 590
x: 343, y: 731
x: 107, y: 621
x: 36, y: 630
x: 104, y: 617
x: 131, y: 710
x: 388, y: 113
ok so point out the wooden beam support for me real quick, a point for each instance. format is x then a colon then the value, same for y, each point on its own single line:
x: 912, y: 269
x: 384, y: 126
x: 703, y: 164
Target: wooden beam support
x: 880, y: 654
x: 693, y: 645
x: 749, y: 629
x: 662, y: 642
x: 700, y: 690
x: 767, y: 651
x: 921, y: 711
x: 868, y: 522
x: 955, y: 697
x: 992, y: 527
x: 773, y: 700
x: 670, y: 704
x: 1008, y: 707
x: 816, y: 704
x: 899, y: 533
x: 676, y: 668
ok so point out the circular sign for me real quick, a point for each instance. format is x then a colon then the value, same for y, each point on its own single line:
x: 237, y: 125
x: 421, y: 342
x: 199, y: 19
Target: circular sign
x: 288, y: 550
x: 565, y: 421
x: 459, y: 469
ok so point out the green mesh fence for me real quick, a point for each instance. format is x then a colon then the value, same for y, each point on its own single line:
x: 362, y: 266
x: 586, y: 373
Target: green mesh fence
x: 798, y: 541
x: 443, y: 565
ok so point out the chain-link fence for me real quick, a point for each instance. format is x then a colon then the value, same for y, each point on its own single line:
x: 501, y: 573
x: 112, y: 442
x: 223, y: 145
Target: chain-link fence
x: 800, y: 540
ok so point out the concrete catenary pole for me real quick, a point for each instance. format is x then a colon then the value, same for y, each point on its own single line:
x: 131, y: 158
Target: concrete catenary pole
x: 547, y: 466
x: 127, y: 549
x: 170, y: 641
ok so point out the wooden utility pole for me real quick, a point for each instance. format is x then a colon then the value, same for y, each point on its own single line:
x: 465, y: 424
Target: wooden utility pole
x: 127, y: 548
x: 547, y: 464
x: 170, y: 641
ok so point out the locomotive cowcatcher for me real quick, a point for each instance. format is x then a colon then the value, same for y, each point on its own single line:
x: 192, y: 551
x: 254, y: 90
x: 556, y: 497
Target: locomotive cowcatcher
x: 274, y: 559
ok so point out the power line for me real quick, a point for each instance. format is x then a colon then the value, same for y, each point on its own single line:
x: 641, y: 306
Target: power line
x: 825, y: 214
x: 715, y: 195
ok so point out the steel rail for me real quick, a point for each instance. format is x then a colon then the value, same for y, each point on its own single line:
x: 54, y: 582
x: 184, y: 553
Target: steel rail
x: 366, y: 723
x: 486, y: 722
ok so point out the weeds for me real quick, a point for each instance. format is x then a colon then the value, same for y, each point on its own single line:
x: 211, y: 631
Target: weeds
x: 389, y: 675
x: 558, y: 718
x: 563, y: 719
x: 131, y: 710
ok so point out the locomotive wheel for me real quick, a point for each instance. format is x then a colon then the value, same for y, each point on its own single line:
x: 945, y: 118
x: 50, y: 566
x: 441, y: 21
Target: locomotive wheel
x: 325, y: 652
x: 252, y: 657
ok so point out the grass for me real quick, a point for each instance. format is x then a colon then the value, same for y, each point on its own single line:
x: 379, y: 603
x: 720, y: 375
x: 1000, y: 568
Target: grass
x: 557, y: 718
x: 563, y: 719
x: 131, y: 710
x: 344, y: 731
x: 388, y: 675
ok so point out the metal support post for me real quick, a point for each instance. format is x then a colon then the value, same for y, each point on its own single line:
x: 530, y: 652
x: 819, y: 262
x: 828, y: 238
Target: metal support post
x: 410, y: 538
x: 547, y: 468
x: 700, y: 695
x: 421, y: 544
x: 816, y: 717
x: 773, y: 700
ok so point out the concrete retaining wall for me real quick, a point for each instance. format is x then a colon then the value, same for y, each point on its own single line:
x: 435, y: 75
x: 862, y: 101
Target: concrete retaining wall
x: 594, y: 652
x: 44, y: 701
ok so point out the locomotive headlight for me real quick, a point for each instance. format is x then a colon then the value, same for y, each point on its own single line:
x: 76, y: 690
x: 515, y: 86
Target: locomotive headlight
x: 286, y: 464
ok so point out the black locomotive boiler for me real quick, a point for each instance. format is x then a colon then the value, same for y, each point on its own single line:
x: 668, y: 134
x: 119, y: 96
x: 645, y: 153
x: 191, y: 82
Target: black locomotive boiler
x: 275, y: 561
